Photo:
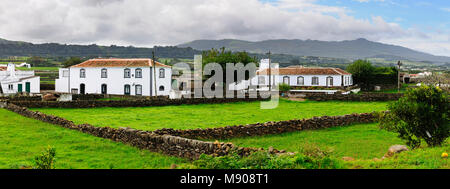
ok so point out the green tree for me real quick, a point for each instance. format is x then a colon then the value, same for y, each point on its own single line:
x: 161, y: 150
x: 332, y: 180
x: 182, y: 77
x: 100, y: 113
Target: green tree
x: 362, y: 71
x: 223, y: 57
x: 72, y: 61
x: 422, y: 114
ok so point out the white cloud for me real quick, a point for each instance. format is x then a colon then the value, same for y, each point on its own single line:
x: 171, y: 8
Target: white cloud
x: 171, y: 22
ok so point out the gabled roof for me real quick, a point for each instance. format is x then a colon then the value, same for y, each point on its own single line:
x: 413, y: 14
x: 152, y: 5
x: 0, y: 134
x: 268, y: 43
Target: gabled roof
x: 116, y: 62
x: 305, y: 71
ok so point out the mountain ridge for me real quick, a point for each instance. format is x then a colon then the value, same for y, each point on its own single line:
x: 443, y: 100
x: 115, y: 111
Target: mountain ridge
x: 349, y: 49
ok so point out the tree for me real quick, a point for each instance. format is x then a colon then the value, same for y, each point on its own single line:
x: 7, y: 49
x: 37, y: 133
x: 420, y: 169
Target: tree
x: 223, y: 57
x: 72, y: 61
x: 362, y: 71
x: 422, y: 114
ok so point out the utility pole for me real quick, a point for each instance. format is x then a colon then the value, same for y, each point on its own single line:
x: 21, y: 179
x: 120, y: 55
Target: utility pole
x: 399, y: 67
x: 154, y: 72
x: 270, y: 72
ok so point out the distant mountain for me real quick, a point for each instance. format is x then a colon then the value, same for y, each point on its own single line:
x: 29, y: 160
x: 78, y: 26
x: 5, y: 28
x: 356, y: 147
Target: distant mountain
x: 17, y: 48
x: 353, y: 49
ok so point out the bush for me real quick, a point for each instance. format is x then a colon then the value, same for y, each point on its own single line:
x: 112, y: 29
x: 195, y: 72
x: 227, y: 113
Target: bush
x: 46, y: 159
x: 265, y: 160
x: 284, y: 87
x: 422, y: 114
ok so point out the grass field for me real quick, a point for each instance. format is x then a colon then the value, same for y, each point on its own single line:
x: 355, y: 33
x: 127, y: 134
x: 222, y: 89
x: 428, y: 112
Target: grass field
x: 364, y: 141
x: 209, y: 115
x: 21, y: 139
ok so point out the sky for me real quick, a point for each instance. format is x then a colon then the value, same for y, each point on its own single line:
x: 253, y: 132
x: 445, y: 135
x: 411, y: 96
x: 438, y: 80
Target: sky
x: 417, y: 24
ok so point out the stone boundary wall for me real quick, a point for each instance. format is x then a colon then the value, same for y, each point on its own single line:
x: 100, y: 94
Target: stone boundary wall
x: 364, y: 97
x: 131, y: 103
x: 22, y: 98
x: 268, y: 128
x: 166, y: 144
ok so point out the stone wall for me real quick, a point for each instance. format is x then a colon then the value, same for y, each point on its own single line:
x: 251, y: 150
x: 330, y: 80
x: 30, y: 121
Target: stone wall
x: 166, y: 144
x: 261, y: 129
x: 365, y: 97
x: 130, y: 103
x: 22, y: 98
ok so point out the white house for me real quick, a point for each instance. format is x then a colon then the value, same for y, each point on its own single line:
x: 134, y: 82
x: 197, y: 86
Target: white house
x: 116, y: 77
x: 14, y: 81
x: 297, y: 76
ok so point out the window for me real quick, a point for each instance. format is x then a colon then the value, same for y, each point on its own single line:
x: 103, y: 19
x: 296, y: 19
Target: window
x: 315, y: 81
x: 66, y: 73
x: 261, y: 80
x: 82, y: 88
x: 104, y: 73
x: 286, y: 80
x: 161, y: 88
x: 162, y: 73
x: 139, y: 73
x: 82, y: 73
x: 138, y: 90
x: 10, y: 87
x: 127, y: 73
x: 74, y: 91
x: 300, y: 81
x: 127, y: 90
x: 329, y: 81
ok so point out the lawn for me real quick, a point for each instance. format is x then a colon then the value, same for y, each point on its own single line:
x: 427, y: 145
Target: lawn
x: 362, y: 141
x: 21, y: 139
x: 209, y: 115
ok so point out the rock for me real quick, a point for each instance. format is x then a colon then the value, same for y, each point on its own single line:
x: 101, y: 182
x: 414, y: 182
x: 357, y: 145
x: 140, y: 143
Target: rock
x: 348, y: 159
x: 173, y: 166
x: 49, y: 97
x: 395, y: 150
x: 271, y: 150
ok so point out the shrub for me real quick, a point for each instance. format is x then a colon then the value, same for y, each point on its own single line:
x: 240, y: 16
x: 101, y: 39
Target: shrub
x: 422, y: 114
x: 284, y: 87
x: 46, y: 159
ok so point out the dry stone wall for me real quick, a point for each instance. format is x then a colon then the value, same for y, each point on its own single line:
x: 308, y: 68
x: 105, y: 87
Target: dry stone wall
x: 260, y: 129
x: 131, y: 103
x: 364, y: 97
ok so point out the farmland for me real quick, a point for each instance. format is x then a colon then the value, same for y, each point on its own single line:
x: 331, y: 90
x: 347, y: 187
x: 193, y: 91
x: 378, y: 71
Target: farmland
x: 209, y: 115
x: 21, y: 139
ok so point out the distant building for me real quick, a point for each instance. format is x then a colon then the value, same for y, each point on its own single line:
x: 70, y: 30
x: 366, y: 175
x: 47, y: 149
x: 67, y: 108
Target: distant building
x: 116, y: 77
x: 297, y: 76
x: 14, y: 81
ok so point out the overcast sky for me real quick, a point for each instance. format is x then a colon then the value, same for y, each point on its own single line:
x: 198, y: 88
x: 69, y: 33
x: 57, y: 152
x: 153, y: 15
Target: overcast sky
x: 420, y: 25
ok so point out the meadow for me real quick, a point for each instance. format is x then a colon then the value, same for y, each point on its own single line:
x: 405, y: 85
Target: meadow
x: 209, y: 115
x: 21, y: 139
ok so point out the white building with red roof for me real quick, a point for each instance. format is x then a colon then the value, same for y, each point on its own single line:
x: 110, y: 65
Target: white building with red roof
x: 297, y: 76
x: 116, y: 77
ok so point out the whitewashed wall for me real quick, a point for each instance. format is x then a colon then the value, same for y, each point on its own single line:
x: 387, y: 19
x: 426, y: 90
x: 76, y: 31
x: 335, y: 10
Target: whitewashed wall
x: 337, y: 80
x: 115, y: 81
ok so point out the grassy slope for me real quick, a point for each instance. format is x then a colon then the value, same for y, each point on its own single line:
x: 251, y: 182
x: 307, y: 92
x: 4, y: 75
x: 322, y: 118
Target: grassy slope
x: 22, y: 138
x: 209, y: 115
x: 364, y: 141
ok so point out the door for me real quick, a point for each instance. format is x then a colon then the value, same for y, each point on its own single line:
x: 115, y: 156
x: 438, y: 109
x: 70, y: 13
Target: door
x: 127, y: 90
x: 28, y: 87
x: 82, y: 89
x: 19, y: 88
x: 104, y: 89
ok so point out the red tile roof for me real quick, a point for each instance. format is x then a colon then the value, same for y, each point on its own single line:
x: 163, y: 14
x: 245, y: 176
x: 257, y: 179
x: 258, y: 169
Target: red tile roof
x: 3, y: 68
x: 305, y: 71
x: 116, y: 62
